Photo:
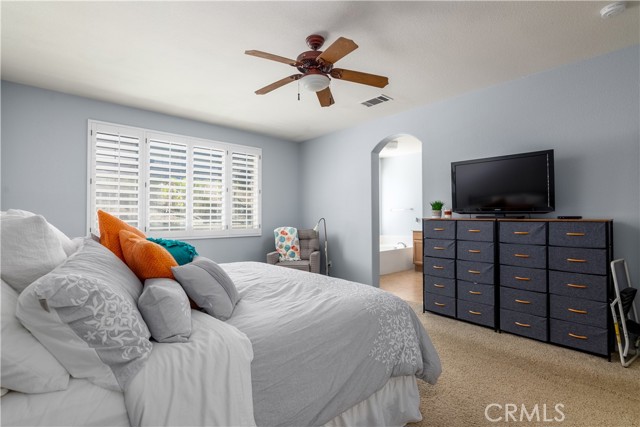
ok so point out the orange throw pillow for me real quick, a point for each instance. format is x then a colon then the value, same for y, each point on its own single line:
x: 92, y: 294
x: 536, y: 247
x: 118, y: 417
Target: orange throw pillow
x: 148, y: 260
x: 110, y: 227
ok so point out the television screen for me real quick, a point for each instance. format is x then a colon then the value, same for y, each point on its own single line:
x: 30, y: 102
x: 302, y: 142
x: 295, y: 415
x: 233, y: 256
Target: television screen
x: 518, y: 183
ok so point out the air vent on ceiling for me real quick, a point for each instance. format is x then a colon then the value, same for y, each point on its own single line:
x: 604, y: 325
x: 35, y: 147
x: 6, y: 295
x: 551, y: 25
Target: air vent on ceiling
x: 377, y: 100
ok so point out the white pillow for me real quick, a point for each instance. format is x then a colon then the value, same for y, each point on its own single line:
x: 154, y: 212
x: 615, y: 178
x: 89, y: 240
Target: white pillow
x: 27, y: 366
x: 68, y: 245
x: 30, y: 249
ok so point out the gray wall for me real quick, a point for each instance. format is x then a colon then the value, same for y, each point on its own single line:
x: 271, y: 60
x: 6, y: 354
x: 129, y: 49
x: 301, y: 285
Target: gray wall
x: 587, y: 111
x: 44, y: 163
x: 400, y: 190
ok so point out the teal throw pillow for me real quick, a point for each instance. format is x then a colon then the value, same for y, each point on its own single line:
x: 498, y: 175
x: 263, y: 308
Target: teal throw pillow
x: 182, y: 252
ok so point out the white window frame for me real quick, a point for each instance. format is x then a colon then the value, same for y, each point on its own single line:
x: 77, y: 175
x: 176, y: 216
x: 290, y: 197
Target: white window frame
x: 95, y: 126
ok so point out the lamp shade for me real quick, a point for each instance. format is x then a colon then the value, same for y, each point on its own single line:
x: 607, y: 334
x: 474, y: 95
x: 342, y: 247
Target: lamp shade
x: 315, y: 82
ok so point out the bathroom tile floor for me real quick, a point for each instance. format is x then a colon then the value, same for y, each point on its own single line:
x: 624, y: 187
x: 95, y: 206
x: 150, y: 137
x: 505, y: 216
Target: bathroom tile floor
x: 405, y: 284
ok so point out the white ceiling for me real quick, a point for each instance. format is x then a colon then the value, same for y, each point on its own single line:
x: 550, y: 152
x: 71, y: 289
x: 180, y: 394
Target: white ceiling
x: 187, y: 58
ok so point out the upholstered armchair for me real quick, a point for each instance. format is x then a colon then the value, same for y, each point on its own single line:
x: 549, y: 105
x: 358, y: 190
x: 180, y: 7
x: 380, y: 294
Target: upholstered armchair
x: 309, y: 253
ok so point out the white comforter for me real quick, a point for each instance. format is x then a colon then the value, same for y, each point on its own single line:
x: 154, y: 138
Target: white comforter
x: 212, y: 385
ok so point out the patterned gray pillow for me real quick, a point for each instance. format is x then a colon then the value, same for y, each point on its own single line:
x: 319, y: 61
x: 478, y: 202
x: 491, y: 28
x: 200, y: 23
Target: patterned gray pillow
x: 209, y: 286
x: 166, y: 310
x: 85, y: 313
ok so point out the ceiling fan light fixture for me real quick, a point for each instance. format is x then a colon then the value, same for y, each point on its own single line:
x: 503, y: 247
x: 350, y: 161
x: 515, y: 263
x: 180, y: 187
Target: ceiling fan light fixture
x: 315, y: 82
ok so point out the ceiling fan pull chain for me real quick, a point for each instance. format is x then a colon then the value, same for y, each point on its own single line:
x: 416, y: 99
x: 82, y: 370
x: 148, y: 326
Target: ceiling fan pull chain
x: 298, y: 89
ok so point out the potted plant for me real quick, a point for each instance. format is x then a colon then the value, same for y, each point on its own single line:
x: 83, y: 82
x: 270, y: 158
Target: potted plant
x: 436, y: 208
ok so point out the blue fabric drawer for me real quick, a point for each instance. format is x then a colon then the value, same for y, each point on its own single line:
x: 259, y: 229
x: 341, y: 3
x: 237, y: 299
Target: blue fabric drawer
x: 476, y: 272
x: 439, y: 229
x: 440, y: 304
x: 528, y: 279
x: 480, y: 314
x: 440, y: 285
x: 475, y: 292
x: 523, y: 233
x: 576, y: 335
x: 524, y: 324
x: 578, y: 260
x: 440, y: 248
x: 578, y: 234
x: 579, y: 310
x: 575, y: 285
x: 440, y: 267
x: 523, y: 255
x: 476, y: 230
x: 523, y: 301
x: 476, y: 251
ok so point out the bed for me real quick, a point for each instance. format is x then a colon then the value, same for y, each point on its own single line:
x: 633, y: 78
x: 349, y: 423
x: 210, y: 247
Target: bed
x: 300, y: 349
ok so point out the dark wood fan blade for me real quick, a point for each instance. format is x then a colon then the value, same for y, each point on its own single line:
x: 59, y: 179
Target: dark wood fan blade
x: 338, y: 49
x: 279, y: 83
x: 358, y: 77
x: 272, y: 57
x: 325, y: 97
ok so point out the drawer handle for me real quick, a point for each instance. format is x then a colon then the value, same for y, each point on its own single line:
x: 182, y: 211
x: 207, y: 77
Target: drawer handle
x: 474, y: 251
x: 576, y: 234
x: 473, y: 271
x: 439, y: 304
x: 521, y: 255
x: 438, y: 248
x: 524, y: 325
x: 576, y: 260
x: 438, y: 267
x: 474, y: 231
x: 475, y: 292
x: 522, y: 301
x: 580, y: 337
x: 477, y: 313
x: 437, y: 285
x: 573, y: 310
x: 521, y: 233
x: 523, y: 279
x: 573, y: 285
x: 438, y: 229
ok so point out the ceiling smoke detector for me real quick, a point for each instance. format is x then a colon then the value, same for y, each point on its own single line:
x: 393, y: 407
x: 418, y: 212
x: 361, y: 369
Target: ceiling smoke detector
x: 613, y: 9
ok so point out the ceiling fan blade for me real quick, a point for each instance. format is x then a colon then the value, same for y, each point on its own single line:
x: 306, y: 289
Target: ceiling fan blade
x: 338, y: 49
x: 358, y: 77
x: 325, y: 97
x: 279, y: 83
x: 272, y: 57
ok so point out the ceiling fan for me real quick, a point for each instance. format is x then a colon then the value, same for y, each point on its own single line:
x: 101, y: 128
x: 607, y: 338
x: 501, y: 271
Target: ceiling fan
x: 316, y: 66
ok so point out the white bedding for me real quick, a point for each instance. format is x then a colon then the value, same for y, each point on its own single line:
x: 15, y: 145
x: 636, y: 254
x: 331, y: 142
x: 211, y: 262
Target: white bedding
x: 85, y: 404
x: 212, y: 386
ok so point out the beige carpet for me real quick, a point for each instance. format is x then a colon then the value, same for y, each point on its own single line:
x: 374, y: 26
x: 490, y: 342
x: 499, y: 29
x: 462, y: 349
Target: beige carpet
x: 481, y: 367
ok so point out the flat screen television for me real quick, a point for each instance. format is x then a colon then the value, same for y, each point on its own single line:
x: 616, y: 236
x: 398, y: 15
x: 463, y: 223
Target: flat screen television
x: 515, y: 184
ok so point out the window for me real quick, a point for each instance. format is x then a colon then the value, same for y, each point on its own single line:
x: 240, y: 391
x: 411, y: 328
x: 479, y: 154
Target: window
x: 173, y: 186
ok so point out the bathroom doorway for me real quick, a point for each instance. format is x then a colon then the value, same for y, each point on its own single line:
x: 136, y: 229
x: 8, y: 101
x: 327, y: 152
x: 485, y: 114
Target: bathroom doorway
x: 398, y: 193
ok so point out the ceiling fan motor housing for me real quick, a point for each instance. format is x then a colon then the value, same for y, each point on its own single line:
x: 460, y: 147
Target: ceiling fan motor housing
x: 309, y: 62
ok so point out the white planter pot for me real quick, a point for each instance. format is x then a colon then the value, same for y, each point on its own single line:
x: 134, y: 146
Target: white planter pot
x: 436, y: 214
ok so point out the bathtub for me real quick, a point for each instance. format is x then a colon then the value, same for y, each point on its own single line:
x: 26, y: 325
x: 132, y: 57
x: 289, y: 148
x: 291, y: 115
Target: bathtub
x: 394, y: 257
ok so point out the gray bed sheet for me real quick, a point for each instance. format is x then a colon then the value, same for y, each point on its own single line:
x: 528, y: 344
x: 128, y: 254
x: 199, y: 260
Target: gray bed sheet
x: 322, y: 344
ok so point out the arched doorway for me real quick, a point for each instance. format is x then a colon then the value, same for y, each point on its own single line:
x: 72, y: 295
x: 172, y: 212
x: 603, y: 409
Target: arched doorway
x: 396, y: 195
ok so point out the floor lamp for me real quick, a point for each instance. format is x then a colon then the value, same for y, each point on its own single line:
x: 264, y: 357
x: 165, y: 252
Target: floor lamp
x: 326, y: 245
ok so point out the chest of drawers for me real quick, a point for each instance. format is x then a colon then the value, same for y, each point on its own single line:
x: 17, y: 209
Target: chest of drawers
x: 544, y: 279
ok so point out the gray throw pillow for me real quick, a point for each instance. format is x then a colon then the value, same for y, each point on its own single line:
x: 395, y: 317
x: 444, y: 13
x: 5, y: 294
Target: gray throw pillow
x: 209, y: 286
x: 166, y: 310
x: 85, y: 313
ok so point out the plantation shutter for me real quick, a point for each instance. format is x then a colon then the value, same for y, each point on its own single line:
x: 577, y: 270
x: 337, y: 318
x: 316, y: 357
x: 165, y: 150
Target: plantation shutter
x: 245, y: 190
x: 116, y: 174
x: 208, y: 189
x: 173, y: 186
x: 167, y: 184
